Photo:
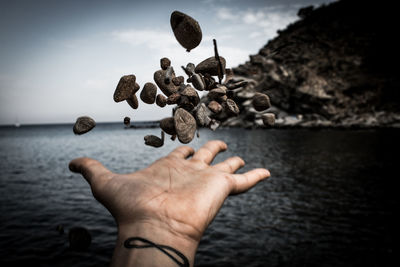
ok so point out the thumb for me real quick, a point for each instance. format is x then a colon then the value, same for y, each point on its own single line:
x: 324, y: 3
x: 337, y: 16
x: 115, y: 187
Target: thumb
x: 92, y: 170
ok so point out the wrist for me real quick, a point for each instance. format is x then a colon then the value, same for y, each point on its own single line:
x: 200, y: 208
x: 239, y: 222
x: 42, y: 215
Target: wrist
x: 155, y: 232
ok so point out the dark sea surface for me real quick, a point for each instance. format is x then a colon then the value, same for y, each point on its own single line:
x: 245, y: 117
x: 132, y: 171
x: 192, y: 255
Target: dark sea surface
x: 332, y: 198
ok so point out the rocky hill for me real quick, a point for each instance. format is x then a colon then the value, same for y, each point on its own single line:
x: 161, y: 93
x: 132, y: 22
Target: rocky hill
x: 336, y: 66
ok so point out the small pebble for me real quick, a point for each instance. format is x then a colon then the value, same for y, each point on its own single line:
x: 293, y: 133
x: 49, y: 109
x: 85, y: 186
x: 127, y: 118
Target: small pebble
x: 185, y: 125
x: 186, y: 30
x: 168, y: 125
x: 261, y: 102
x: 210, y: 66
x: 214, y: 124
x: 268, y: 119
x: 215, y: 107
x: 189, y: 69
x: 83, y: 125
x: 161, y: 100
x: 79, y: 238
x: 165, y: 63
x: 125, y: 88
x: 127, y: 121
x: 148, y: 94
x: 154, y: 141
x: 232, y: 107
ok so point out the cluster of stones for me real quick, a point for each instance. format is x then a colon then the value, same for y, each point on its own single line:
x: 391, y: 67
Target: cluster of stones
x: 189, y: 112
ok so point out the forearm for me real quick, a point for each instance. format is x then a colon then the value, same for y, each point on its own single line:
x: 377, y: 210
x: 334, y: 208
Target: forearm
x: 151, y: 256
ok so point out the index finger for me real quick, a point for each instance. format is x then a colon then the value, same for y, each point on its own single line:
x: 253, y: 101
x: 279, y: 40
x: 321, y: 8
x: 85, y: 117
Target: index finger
x: 182, y: 152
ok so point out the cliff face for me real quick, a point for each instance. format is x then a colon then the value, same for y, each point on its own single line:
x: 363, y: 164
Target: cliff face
x: 336, y: 66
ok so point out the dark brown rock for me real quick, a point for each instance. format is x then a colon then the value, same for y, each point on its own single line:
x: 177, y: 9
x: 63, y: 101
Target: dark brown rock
x: 217, y: 93
x: 133, y: 101
x: 186, y: 30
x: 83, y: 125
x: 127, y: 121
x: 173, y: 99
x: 159, y: 78
x: 268, y: 119
x: 148, y: 94
x: 261, y: 102
x: 185, y: 125
x: 154, y: 141
x: 168, y: 125
x: 198, y: 82
x: 189, y: 69
x: 165, y: 63
x: 210, y: 66
x: 161, y: 100
x: 125, y: 88
x: 191, y: 94
x: 232, y: 107
x: 215, y: 107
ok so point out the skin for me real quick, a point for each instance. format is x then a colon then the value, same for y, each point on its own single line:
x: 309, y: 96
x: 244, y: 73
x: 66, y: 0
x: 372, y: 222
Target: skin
x: 171, y: 202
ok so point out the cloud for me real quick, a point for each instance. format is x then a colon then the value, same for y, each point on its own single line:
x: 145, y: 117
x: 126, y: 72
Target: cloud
x: 262, y: 22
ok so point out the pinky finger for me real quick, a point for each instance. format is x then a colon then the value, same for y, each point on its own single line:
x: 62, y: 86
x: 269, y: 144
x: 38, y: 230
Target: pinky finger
x: 243, y: 182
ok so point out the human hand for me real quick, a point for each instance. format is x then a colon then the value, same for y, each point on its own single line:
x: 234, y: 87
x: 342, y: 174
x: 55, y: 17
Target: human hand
x: 172, y: 201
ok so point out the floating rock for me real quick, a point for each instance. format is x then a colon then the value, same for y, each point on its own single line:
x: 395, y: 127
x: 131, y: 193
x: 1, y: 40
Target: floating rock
x: 159, y: 78
x: 83, y: 125
x: 217, y: 92
x: 173, y: 99
x: 165, y: 63
x: 214, y: 124
x: 127, y: 121
x: 198, y: 82
x: 79, y: 238
x: 210, y: 82
x: 161, y: 100
x: 148, y: 94
x: 261, y: 102
x: 152, y: 140
x: 202, y: 115
x: 232, y: 107
x: 189, y: 69
x: 133, y: 101
x: 186, y: 30
x: 210, y: 66
x: 191, y: 94
x: 215, y: 107
x: 268, y: 119
x: 126, y: 88
x: 185, y: 125
x: 168, y: 125
x: 178, y: 80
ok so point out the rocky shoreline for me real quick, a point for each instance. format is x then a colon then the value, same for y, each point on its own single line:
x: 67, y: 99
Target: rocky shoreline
x: 332, y: 68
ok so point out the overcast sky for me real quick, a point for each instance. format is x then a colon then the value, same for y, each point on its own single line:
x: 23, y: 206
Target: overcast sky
x: 63, y: 59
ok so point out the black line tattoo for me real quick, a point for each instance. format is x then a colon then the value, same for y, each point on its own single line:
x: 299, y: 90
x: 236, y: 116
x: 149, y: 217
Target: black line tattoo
x: 129, y: 243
